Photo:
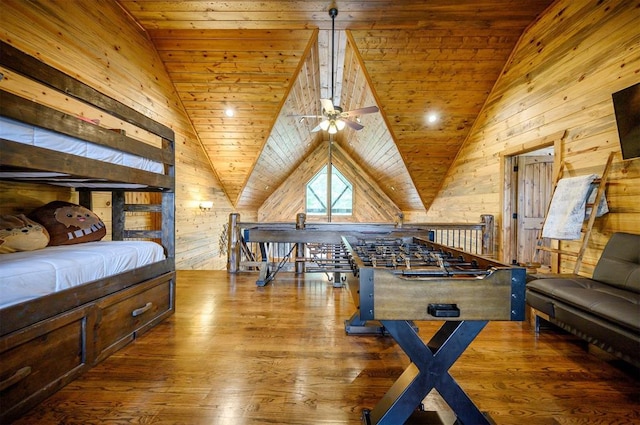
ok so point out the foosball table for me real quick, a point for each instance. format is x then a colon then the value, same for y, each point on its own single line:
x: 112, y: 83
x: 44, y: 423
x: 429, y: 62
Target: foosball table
x: 398, y: 281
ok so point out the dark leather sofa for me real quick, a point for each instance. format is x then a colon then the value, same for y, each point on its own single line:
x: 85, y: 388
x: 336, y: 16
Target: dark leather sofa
x: 604, y: 310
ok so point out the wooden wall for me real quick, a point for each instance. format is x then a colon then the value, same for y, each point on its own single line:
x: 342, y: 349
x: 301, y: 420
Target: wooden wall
x: 560, y: 78
x: 370, y: 204
x: 22, y: 198
x: 100, y: 45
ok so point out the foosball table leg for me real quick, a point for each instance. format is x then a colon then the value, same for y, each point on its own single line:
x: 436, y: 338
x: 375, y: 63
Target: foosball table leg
x: 338, y: 281
x: 356, y: 326
x: 428, y: 370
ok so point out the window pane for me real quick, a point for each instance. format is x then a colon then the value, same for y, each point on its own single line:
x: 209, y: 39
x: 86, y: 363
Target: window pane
x: 317, y: 193
x: 341, y: 194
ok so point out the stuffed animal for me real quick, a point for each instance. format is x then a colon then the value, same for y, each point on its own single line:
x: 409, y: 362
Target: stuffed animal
x: 69, y: 223
x: 18, y: 233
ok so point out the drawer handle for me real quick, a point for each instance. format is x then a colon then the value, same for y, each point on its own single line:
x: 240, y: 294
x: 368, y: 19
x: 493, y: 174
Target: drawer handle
x: 141, y: 310
x: 15, y: 378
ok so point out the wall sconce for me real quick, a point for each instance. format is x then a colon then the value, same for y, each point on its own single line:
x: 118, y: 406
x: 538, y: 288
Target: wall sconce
x: 206, y: 205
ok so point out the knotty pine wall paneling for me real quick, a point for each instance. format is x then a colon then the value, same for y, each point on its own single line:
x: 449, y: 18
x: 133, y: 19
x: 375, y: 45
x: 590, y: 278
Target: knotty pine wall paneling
x: 22, y: 198
x: 560, y: 78
x: 97, y: 43
x: 370, y: 204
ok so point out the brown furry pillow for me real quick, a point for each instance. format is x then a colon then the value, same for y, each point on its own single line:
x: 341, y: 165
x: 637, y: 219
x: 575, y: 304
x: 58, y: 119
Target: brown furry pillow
x: 18, y: 233
x: 69, y: 223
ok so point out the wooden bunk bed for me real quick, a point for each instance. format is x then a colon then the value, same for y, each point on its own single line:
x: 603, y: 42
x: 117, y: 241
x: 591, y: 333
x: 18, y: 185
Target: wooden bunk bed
x: 47, y: 341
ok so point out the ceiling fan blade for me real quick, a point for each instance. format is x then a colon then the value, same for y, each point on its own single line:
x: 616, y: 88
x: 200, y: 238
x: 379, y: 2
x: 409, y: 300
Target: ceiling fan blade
x: 327, y: 105
x: 316, y: 129
x: 354, y: 125
x: 361, y: 111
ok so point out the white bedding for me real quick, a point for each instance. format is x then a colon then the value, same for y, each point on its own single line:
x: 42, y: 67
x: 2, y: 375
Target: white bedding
x: 32, y: 274
x: 35, y: 136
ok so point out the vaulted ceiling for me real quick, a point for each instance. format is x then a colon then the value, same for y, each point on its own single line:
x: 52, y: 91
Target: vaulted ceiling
x: 270, y: 59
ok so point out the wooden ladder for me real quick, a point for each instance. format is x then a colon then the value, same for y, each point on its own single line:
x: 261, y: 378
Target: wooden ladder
x: 586, y: 232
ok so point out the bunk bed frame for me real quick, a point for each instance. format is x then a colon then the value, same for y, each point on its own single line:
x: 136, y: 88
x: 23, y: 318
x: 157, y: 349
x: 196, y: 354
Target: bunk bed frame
x: 47, y: 342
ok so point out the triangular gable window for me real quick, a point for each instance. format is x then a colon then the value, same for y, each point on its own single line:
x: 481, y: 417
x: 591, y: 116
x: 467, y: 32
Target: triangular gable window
x: 341, y: 199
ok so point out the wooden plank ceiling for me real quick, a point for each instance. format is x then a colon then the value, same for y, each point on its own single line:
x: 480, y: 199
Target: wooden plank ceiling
x: 270, y: 59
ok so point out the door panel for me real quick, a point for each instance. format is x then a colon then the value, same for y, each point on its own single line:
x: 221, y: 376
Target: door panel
x: 535, y: 183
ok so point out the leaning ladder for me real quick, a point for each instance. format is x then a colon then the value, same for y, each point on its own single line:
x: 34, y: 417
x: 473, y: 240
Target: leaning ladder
x: 586, y: 232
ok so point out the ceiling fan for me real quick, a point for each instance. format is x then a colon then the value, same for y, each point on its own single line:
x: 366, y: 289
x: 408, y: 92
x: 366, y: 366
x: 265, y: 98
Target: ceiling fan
x: 333, y: 117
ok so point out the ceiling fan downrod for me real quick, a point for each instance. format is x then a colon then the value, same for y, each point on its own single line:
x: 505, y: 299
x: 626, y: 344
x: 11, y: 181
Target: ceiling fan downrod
x: 333, y: 117
x: 333, y: 12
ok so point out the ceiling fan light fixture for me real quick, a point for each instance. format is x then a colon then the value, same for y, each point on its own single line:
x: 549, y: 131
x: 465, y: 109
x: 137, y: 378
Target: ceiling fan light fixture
x: 340, y: 125
x: 333, y: 128
x: 324, y: 125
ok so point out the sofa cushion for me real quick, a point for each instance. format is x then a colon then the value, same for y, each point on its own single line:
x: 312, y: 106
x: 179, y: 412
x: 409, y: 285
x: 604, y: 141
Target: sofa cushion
x: 541, y: 302
x: 619, y: 264
x: 607, y: 335
x: 606, y: 301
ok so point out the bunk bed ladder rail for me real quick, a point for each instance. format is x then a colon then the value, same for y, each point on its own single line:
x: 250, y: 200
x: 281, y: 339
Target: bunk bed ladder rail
x: 163, y: 234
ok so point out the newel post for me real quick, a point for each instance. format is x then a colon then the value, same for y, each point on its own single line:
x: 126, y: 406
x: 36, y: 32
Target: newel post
x: 300, y: 225
x: 233, y: 246
x: 487, y: 234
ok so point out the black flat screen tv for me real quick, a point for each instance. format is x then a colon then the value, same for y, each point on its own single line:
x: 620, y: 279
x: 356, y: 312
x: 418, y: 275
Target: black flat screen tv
x: 626, y: 104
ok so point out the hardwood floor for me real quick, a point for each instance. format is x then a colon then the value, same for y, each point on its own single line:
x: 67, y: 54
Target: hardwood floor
x: 237, y: 354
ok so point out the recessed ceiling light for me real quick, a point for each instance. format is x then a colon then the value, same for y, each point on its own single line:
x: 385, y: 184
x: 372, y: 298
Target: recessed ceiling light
x: 432, y: 118
x: 229, y: 112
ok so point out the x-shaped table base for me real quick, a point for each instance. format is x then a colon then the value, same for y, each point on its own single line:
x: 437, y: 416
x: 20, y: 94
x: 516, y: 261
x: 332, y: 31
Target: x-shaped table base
x: 428, y: 370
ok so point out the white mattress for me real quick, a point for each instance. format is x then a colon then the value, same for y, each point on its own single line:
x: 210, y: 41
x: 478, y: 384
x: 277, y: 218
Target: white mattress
x: 35, y: 136
x: 32, y: 274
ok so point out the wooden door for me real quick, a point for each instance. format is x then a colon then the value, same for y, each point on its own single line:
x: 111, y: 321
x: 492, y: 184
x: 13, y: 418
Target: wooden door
x: 535, y: 184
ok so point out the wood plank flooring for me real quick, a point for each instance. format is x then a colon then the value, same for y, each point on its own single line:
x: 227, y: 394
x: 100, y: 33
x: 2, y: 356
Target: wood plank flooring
x: 237, y: 354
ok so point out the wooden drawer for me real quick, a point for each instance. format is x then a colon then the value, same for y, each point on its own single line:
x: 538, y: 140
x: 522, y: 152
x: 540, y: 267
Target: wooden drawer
x: 124, y: 315
x: 37, y: 361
